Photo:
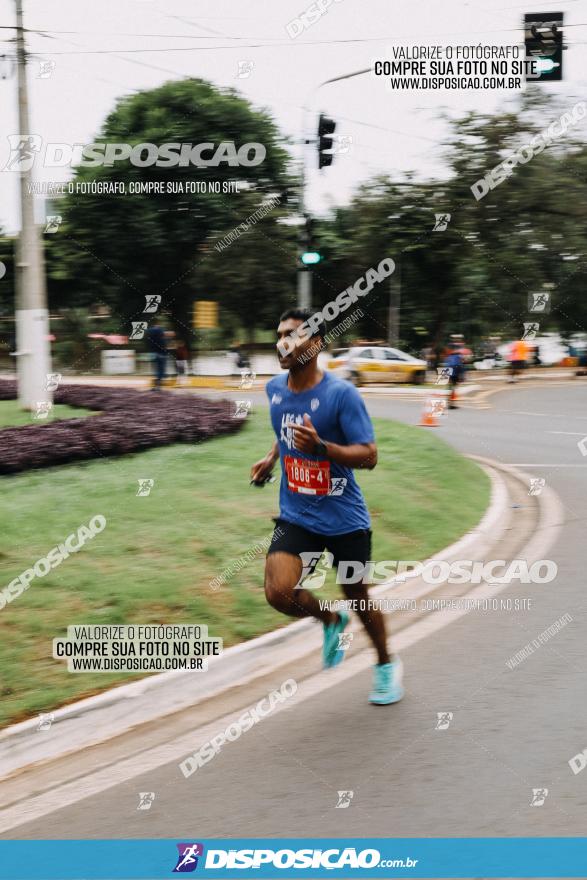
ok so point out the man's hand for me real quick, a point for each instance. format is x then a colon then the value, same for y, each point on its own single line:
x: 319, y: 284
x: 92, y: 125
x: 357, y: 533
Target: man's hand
x: 305, y: 436
x: 355, y: 455
x: 262, y: 469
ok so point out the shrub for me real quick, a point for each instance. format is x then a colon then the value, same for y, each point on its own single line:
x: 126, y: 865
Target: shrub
x: 128, y: 421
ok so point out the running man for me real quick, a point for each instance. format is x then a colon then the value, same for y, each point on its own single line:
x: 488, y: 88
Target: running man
x: 455, y: 364
x: 323, y: 431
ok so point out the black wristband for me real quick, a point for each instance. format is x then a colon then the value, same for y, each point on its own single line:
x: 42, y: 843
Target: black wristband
x: 320, y: 449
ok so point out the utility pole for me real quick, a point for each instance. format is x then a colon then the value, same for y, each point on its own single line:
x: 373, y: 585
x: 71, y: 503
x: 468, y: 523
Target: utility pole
x: 304, y: 273
x: 33, y: 355
x: 395, y: 282
x: 304, y: 288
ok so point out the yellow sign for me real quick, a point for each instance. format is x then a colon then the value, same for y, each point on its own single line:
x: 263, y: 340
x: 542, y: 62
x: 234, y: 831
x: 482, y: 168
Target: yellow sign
x: 205, y: 315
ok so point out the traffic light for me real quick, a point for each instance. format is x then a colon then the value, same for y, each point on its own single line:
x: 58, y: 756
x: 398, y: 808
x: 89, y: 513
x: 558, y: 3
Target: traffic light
x: 544, y: 45
x: 310, y: 253
x: 326, y: 127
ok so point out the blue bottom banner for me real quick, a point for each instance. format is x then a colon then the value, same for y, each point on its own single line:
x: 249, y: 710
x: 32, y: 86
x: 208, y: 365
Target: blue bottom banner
x: 269, y: 857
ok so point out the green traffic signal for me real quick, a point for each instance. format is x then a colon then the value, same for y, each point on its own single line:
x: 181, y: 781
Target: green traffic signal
x: 545, y: 65
x: 309, y: 258
x: 543, y: 38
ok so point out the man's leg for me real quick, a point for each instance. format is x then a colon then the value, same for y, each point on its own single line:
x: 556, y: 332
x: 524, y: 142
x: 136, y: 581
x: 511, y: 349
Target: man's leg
x: 371, y: 618
x: 293, y: 554
x: 157, y: 370
x: 282, y: 573
x: 356, y: 547
x: 452, y: 398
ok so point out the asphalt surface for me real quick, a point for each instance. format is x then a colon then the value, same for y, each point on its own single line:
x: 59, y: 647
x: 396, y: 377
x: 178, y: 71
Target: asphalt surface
x: 512, y: 730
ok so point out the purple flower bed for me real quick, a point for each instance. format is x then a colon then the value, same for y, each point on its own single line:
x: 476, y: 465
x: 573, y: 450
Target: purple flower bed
x: 128, y: 421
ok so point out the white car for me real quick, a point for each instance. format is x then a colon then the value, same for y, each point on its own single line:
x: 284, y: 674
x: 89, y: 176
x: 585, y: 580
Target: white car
x: 369, y: 364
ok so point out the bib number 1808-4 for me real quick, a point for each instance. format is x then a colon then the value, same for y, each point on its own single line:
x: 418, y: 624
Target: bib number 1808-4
x: 307, y: 477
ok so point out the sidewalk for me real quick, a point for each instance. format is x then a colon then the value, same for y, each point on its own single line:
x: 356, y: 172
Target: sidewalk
x: 476, y: 381
x: 233, y: 383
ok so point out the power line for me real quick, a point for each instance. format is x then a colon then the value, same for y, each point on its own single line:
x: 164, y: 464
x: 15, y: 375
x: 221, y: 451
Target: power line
x: 268, y: 42
x: 394, y: 39
x: 216, y: 48
x: 126, y: 34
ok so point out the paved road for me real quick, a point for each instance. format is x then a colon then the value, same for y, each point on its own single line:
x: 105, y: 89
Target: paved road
x: 512, y: 731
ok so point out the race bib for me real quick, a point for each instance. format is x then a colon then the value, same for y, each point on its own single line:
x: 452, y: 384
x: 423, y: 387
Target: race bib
x: 307, y: 477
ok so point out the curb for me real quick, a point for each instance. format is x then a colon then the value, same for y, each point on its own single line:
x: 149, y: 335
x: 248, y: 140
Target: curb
x: 231, y: 383
x: 117, y: 711
x: 529, y: 374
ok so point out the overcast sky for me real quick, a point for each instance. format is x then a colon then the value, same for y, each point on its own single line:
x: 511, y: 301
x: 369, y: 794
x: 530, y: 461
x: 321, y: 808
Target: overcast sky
x: 115, y: 47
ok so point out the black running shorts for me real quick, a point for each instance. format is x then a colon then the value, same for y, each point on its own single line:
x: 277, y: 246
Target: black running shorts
x: 293, y: 539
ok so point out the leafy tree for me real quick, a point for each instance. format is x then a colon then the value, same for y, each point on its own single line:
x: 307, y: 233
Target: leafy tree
x: 526, y: 235
x: 118, y: 249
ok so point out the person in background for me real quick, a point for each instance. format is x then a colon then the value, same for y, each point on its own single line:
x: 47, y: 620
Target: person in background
x: 157, y: 342
x: 241, y: 358
x: 536, y: 357
x: 517, y: 358
x: 456, y: 364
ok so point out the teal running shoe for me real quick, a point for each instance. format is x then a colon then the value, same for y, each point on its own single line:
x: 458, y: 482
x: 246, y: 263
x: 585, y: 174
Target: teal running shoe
x: 387, y: 683
x: 332, y: 654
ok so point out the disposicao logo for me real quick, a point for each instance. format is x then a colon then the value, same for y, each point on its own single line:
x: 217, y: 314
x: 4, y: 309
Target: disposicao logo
x: 187, y: 860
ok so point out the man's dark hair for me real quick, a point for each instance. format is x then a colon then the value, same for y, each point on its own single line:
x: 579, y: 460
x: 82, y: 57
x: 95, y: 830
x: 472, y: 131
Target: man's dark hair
x: 299, y: 314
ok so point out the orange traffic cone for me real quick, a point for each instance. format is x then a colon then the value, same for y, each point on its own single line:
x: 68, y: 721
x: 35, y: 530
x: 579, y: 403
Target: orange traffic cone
x: 428, y: 418
x: 433, y: 409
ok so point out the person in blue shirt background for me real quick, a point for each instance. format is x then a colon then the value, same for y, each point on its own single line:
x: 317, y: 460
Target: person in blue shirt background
x: 456, y: 364
x: 323, y: 432
x: 157, y: 342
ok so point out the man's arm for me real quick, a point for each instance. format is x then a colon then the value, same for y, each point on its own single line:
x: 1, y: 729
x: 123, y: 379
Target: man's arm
x: 273, y: 453
x: 355, y: 455
x: 264, y: 467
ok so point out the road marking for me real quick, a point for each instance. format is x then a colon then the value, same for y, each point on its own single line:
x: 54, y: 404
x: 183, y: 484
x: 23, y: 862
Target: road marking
x: 568, y: 433
x: 533, y: 464
x: 522, y: 412
x: 508, y: 386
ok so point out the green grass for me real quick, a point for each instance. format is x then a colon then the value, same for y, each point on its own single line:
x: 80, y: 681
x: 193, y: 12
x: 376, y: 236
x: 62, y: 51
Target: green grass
x: 12, y: 416
x: 154, y: 560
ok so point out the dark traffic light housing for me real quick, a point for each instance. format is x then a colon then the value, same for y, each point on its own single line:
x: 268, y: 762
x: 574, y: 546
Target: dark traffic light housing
x: 326, y: 127
x: 544, y: 45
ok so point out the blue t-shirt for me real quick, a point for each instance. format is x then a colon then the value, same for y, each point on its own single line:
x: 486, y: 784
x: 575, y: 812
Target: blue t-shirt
x: 339, y: 415
x: 156, y: 339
